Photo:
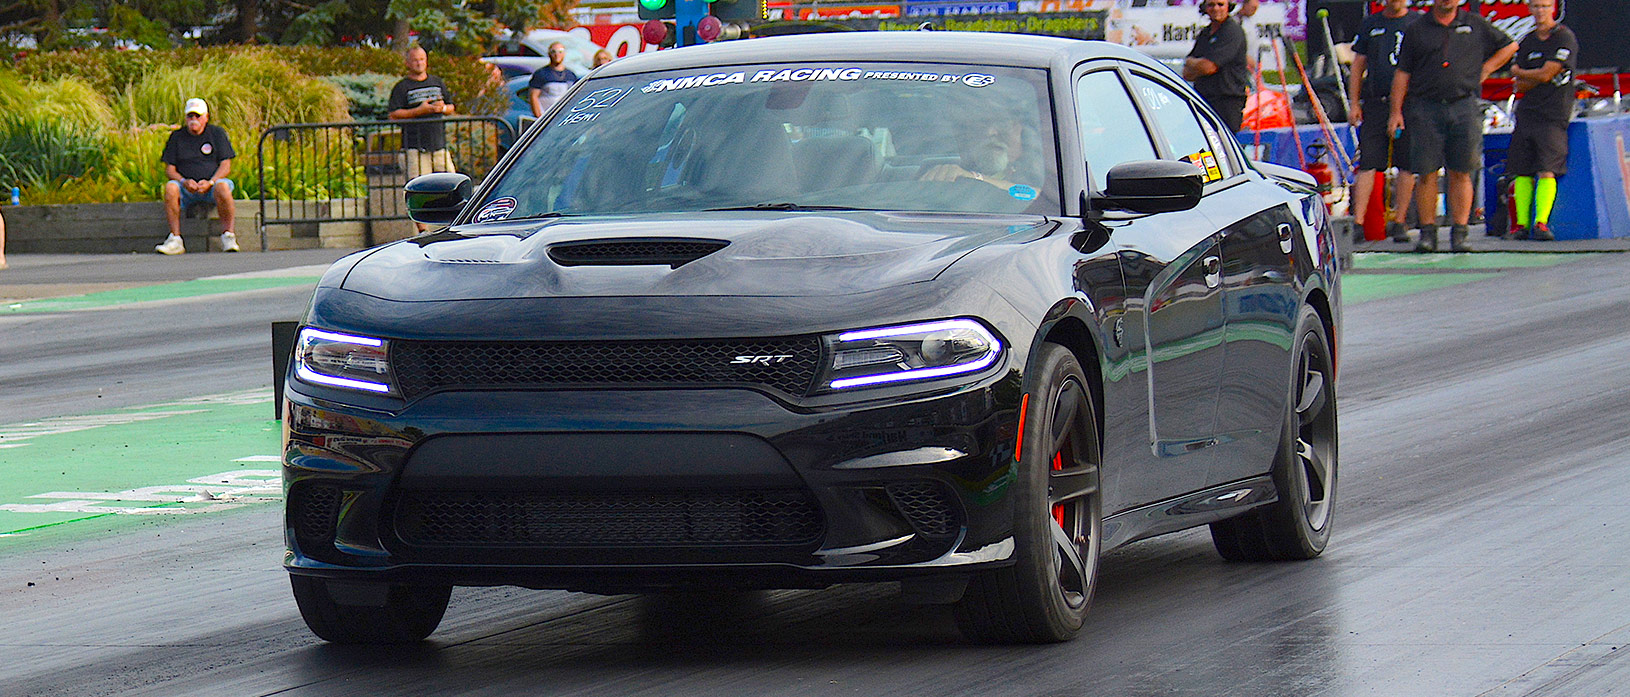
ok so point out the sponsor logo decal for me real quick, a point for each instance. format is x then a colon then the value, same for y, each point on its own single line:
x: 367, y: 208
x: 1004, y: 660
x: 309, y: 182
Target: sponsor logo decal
x: 978, y: 80
x: 498, y: 209
x: 1022, y: 192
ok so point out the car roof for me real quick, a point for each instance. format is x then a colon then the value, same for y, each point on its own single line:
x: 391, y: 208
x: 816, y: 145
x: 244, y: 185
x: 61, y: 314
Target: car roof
x: 972, y: 48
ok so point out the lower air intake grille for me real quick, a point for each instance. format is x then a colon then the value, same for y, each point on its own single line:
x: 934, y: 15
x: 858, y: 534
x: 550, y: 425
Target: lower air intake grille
x: 785, y: 364
x: 313, y: 509
x: 926, y: 505
x: 773, y: 516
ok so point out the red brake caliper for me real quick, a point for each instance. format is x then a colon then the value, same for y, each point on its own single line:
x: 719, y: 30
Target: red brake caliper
x: 1058, y: 509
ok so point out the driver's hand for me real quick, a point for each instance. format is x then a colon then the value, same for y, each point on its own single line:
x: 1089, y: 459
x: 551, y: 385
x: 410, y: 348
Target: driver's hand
x: 948, y: 173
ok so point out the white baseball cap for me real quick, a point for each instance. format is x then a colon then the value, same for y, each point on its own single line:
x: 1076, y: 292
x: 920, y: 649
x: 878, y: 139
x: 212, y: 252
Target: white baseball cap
x: 197, y: 106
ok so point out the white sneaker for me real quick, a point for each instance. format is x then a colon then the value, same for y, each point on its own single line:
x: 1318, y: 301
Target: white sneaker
x: 229, y: 242
x: 172, y: 245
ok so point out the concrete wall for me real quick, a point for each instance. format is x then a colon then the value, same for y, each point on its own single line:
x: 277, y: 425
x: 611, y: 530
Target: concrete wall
x: 117, y: 228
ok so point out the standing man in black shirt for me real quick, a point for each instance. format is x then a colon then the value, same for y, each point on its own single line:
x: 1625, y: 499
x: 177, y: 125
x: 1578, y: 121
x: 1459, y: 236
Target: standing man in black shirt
x: 421, y: 95
x: 197, y: 158
x: 1375, y: 59
x: 1539, y: 143
x: 1446, y: 56
x: 1216, y: 65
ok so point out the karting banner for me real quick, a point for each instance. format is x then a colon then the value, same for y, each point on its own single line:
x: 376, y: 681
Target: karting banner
x: 1168, y: 31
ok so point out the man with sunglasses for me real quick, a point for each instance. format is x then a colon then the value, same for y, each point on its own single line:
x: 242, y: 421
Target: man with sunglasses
x: 1446, y: 56
x: 197, y: 158
x: 1217, y: 65
x: 549, y: 83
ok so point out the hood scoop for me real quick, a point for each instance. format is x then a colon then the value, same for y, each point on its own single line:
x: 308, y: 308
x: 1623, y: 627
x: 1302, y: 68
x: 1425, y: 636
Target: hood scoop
x: 673, y: 252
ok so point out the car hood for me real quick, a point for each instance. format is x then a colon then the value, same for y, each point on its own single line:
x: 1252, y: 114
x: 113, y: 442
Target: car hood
x: 762, y: 254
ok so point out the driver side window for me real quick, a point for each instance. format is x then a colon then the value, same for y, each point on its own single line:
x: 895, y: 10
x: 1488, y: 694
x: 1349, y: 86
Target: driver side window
x: 1111, y: 130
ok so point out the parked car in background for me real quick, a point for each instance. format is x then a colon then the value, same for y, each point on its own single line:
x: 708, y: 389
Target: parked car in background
x: 522, y: 56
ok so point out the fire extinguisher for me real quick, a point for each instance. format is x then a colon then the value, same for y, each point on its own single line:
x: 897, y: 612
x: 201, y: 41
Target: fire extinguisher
x: 1321, y: 172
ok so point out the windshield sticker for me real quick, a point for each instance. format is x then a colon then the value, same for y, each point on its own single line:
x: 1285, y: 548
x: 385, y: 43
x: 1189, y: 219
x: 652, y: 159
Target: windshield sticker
x: 585, y: 109
x: 498, y: 209
x: 799, y: 75
x: 1023, y: 192
x: 1207, y: 164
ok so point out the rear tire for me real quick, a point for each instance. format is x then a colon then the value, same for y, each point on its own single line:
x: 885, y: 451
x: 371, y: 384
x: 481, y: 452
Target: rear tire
x: 1058, y: 519
x: 408, y: 613
x: 1297, y: 525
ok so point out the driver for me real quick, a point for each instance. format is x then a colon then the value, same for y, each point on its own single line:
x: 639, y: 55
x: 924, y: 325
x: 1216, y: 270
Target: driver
x: 993, y: 151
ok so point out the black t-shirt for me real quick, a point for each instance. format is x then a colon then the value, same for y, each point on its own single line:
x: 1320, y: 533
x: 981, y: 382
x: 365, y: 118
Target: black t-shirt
x: 1379, y: 40
x: 1551, y: 101
x: 197, y: 156
x: 1445, y: 63
x: 410, y: 93
x: 1226, y: 47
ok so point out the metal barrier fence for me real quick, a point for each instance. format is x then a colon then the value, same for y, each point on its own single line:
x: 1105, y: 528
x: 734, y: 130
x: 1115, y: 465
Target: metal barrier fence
x: 314, y: 173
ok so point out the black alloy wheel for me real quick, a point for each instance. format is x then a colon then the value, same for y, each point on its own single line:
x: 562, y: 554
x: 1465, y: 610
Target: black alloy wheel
x: 1058, y: 526
x: 405, y: 614
x: 1297, y: 525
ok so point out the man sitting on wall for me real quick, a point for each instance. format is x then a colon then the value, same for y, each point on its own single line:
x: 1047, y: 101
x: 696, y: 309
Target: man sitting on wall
x: 196, y: 159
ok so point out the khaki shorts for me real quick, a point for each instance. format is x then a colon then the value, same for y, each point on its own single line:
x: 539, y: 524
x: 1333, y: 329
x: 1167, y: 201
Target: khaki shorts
x: 427, y: 161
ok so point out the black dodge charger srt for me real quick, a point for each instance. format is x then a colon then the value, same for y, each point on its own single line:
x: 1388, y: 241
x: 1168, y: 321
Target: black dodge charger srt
x: 960, y: 311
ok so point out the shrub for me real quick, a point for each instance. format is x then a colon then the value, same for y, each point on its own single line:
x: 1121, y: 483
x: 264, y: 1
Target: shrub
x: 263, y: 92
x: 367, y: 93
x: 40, y: 152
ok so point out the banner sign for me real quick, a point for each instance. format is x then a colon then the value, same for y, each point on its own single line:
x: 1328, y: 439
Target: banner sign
x: 1169, y: 31
x: 829, y: 12
x: 1075, y: 25
x: 941, y: 9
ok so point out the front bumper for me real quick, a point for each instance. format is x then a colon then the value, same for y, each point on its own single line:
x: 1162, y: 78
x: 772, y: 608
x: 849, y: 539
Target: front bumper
x: 609, y: 490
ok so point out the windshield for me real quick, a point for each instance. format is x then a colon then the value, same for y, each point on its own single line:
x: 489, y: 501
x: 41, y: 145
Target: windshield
x: 921, y: 137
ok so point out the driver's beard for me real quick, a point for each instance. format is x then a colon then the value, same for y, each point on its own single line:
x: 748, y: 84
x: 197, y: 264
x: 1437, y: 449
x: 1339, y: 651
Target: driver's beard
x: 991, y: 159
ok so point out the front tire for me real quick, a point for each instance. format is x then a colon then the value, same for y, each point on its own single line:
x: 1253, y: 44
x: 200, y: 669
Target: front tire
x: 405, y: 615
x: 1058, y: 518
x: 1297, y: 525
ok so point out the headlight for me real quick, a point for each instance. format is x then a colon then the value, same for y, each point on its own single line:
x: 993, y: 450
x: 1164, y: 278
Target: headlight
x: 910, y: 352
x: 343, y: 360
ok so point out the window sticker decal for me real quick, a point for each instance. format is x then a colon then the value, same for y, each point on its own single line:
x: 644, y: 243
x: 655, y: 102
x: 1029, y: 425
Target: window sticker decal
x: 497, y: 209
x: 804, y: 75
x: 1023, y: 192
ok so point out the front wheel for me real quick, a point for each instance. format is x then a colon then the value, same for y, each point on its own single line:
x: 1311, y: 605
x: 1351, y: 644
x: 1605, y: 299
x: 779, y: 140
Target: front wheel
x: 1297, y: 526
x: 1058, y: 518
x: 393, y: 614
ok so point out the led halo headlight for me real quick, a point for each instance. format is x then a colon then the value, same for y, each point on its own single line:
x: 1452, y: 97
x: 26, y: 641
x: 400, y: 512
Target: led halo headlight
x: 910, y: 352
x: 343, y: 360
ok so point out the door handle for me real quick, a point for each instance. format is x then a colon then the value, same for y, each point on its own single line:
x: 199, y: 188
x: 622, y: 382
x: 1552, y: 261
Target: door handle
x: 1213, y: 268
x: 1286, y: 238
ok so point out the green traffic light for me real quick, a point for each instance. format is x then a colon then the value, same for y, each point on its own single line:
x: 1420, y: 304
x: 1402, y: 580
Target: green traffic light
x: 653, y: 4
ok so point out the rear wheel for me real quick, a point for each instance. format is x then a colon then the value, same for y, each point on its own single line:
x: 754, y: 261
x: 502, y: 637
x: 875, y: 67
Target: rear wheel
x: 1297, y: 526
x: 390, y: 614
x: 1058, y: 518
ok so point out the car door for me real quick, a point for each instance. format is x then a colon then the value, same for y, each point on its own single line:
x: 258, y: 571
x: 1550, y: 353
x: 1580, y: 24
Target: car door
x: 1171, y: 266
x: 1260, y: 299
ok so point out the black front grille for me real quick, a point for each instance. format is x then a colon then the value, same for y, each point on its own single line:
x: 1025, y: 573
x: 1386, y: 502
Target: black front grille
x: 633, y: 251
x: 785, y: 364
x: 313, y: 510
x: 613, y: 518
x: 926, y: 505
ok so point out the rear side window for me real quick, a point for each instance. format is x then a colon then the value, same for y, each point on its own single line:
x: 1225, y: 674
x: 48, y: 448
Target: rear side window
x: 1177, y: 121
x: 1111, y: 130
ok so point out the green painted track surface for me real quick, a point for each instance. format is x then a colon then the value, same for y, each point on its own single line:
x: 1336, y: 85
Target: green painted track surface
x: 106, y: 472
x: 162, y: 291
x: 1383, y: 261
x: 1358, y: 288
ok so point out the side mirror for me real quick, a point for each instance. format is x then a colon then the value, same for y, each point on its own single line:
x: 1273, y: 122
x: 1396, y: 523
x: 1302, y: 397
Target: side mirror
x: 1153, y: 186
x: 436, y: 199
